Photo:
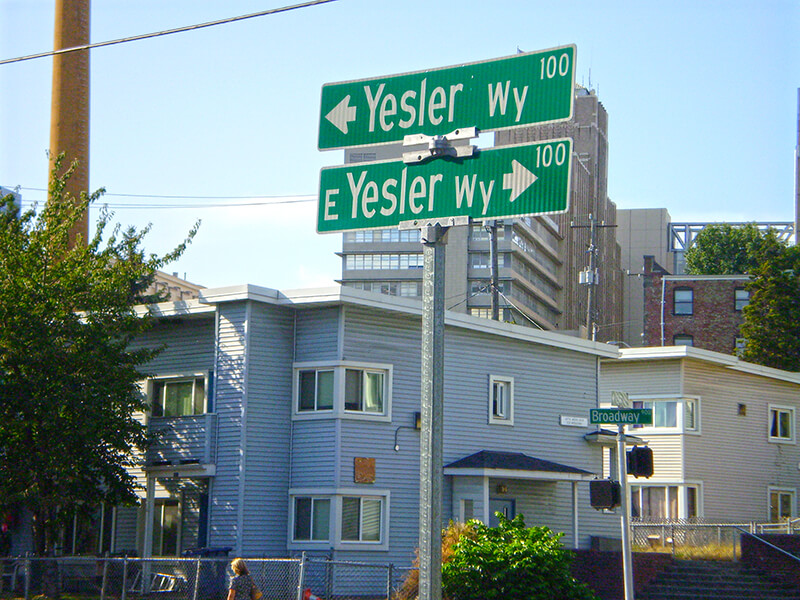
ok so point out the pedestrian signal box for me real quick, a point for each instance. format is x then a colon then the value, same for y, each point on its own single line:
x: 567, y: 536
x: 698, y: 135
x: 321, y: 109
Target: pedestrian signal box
x: 604, y: 494
x: 640, y: 461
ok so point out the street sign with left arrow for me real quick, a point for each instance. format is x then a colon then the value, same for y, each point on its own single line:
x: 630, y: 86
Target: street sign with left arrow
x: 502, y: 93
x: 496, y: 183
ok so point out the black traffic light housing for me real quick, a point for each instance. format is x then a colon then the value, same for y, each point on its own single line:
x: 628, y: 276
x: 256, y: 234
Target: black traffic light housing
x: 604, y: 493
x: 640, y: 461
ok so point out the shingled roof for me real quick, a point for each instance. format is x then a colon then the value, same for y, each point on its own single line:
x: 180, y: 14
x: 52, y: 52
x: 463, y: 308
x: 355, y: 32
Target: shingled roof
x: 515, y: 461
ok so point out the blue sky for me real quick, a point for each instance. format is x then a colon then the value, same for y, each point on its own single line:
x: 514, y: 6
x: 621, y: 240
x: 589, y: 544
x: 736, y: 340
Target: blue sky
x: 701, y: 95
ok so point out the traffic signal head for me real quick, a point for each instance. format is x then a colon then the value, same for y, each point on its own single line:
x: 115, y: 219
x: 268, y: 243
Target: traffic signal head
x: 604, y: 493
x: 640, y: 461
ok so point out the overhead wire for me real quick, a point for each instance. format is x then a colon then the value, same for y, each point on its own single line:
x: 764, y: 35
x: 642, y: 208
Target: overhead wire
x: 136, y: 38
x: 257, y: 200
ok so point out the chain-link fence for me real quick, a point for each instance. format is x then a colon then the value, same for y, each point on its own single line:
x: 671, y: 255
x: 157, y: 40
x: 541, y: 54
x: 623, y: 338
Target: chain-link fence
x: 194, y: 578
x: 687, y: 539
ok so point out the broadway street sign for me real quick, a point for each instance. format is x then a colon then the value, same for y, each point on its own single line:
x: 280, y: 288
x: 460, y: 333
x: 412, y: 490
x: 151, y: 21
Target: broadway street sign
x: 507, y: 181
x: 621, y: 416
x: 519, y: 90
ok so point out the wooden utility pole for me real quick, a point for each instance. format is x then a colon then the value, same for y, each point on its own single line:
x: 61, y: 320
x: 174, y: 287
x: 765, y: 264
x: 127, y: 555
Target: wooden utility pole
x: 69, y: 108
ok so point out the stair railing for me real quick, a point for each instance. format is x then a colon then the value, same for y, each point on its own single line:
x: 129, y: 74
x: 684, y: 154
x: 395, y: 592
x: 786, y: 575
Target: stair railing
x: 773, y: 546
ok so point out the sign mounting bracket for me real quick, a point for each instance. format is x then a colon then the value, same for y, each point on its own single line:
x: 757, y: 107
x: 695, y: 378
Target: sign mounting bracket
x: 439, y: 145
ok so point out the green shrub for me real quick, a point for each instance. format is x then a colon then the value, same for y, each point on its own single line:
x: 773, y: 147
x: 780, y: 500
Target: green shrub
x: 510, y: 562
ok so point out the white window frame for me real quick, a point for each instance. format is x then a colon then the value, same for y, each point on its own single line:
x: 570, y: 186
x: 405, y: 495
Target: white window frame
x: 339, y: 411
x: 740, y: 303
x: 778, y: 408
x: 336, y: 496
x: 508, y: 384
x: 680, y: 427
x: 361, y: 498
x: 683, y: 302
x: 151, y: 382
x: 782, y: 490
x: 322, y: 542
x: 160, y: 506
x: 682, y: 494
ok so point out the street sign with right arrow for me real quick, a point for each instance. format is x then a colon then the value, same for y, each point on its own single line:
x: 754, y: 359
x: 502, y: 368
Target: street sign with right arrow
x: 496, y: 183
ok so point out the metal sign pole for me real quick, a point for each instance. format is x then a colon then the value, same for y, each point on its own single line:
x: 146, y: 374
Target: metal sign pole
x: 432, y: 398
x: 622, y: 471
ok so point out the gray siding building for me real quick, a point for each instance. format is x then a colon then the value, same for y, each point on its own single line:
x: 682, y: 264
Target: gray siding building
x: 289, y: 422
x: 724, y: 435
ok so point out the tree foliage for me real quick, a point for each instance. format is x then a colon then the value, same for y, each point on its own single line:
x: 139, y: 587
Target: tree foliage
x: 722, y: 249
x: 68, y: 378
x: 510, y: 561
x: 772, y: 317
x: 771, y: 325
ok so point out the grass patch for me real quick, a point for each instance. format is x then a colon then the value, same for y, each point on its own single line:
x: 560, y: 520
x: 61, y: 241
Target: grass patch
x: 712, y: 551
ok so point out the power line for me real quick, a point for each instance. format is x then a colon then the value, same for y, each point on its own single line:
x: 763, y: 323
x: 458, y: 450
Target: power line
x: 257, y: 200
x: 145, y: 36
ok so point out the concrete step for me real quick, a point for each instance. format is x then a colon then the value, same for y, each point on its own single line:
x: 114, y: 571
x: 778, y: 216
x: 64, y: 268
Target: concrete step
x: 716, y: 580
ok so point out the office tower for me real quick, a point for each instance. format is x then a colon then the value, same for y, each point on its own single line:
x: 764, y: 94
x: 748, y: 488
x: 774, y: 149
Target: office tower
x: 540, y: 258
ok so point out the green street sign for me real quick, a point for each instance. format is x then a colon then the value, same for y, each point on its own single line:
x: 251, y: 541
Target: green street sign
x: 518, y: 90
x: 507, y: 181
x: 621, y: 416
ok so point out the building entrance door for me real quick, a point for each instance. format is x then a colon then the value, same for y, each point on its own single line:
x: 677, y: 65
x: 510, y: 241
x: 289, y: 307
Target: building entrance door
x: 503, y: 506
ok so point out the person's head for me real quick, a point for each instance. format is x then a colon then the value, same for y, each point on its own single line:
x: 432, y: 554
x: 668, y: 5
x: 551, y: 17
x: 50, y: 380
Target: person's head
x: 238, y: 567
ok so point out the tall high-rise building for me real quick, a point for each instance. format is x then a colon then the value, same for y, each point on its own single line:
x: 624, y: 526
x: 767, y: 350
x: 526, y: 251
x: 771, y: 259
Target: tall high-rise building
x: 589, y: 205
x: 540, y: 258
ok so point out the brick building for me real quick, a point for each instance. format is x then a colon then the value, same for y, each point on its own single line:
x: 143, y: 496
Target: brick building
x: 704, y: 311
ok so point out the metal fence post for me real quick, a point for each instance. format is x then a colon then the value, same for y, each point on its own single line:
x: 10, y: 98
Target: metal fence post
x: 389, y: 581
x: 124, y: 577
x: 301, y: 576
x: 329, y: 568
x: 672, y: 537
x: 196, y: 580
x: 105, y: 579
x: 27, y: 578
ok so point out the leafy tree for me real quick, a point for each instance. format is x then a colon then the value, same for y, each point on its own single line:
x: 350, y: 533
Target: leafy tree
x: 510, y: 561
x: 68, y: 377
x: 772, y: 317
x: 721, y: 249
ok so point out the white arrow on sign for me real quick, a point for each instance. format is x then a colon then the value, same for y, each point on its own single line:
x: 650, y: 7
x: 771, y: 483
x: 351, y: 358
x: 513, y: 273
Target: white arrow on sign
x: 519, y: 180
x: 342, y: 114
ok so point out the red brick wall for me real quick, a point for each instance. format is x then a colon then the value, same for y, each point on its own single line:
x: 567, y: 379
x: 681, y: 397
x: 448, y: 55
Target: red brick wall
x: 761, y: 556
x: 714, y: 324
x: 602, y: 571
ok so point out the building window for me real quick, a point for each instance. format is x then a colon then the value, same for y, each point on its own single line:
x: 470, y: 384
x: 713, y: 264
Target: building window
x: 683, y: 301
x: 166, y: 518
x: 312, y: 519
x: 501, y: 400
x: 467, y: 509
x: 781, y: 424
x: 741, y: 298
x: 781, y: 505
x: 654, y: 503
x: 363, y: 390
x: 178, y: 397
x: 316, y: 390
x: 682, y: 339
x: 692, y: 510
x: 367, y: 262
x: 673, y: 415
x: 342, y: 389
x: 361, y: 519
x: 665, y: 502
